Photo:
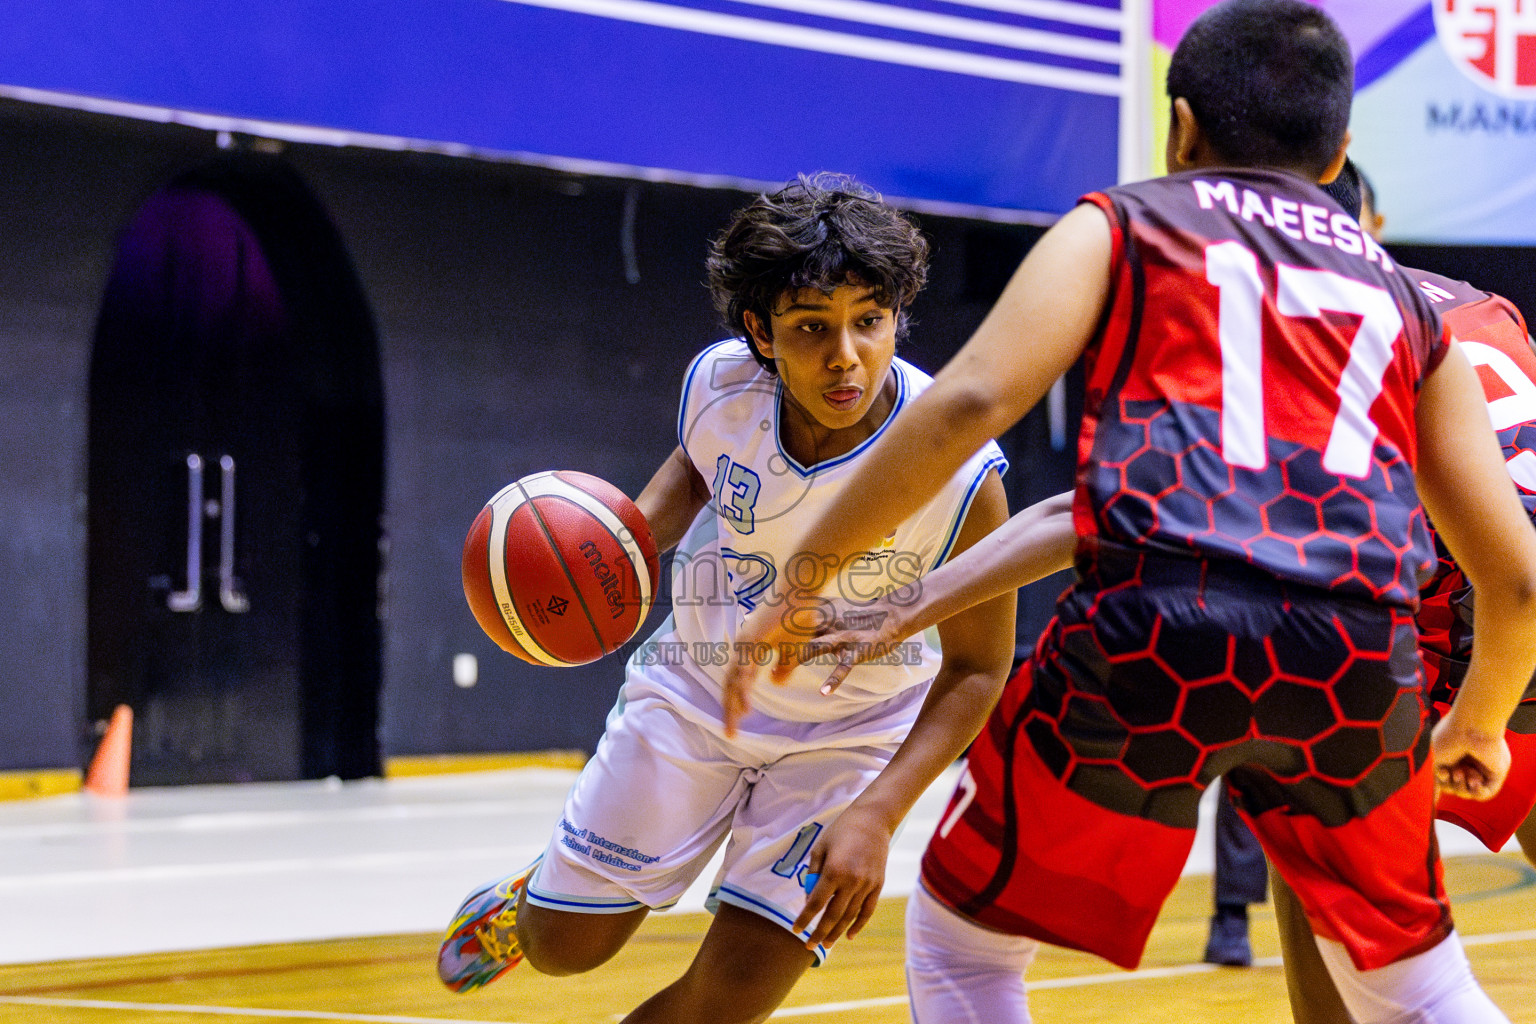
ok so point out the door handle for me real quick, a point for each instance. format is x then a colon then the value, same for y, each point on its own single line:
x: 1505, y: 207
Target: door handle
x: 191, y: 599
x: 230, y: 596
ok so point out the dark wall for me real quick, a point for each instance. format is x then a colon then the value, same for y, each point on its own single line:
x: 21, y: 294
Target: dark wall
x: 528, y: 320
x: 67, y: 188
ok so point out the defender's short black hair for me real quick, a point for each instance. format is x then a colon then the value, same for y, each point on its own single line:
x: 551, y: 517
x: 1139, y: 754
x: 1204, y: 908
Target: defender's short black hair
x: 820, y: 231
x: 1367, y: 193
x: 1270, y: 82
x: 1348, y: 189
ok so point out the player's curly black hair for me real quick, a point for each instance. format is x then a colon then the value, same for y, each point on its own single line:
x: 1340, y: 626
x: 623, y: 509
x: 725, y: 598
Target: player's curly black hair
x: 820, y: 231
x: 1270, y: 82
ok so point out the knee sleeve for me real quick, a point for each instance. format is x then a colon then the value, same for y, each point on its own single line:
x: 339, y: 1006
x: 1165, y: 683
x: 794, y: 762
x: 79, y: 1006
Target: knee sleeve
x: 961, y: 973
x: 1434, y: 987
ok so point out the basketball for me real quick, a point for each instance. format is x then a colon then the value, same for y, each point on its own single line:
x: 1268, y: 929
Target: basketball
x: 560, y: 568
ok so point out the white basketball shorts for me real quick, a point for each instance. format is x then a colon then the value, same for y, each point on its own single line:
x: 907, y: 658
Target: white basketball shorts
x: 662, y: 792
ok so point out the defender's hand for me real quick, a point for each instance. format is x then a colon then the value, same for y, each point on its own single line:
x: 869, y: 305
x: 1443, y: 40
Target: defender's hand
x: 1468, y: 763
x: 780, y: 627
x: 858, y: 635
x: 761, y: 627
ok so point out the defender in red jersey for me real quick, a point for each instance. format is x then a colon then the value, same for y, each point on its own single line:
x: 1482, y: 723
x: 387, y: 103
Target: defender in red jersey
x: 1268, y: 399
x: 1497, y: 343
x: 1494, y: 335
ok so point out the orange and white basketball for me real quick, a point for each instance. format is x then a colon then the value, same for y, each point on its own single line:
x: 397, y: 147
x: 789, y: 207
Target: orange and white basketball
x: 560, y: 568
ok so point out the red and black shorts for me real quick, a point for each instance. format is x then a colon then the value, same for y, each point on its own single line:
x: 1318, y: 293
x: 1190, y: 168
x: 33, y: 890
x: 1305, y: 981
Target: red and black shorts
x: 1079, y: 804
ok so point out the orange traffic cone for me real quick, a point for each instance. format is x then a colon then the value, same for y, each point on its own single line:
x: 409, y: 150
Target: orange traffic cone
x: 108, y: 774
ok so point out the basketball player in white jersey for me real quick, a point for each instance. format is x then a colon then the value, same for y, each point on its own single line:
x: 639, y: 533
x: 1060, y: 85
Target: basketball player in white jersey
x: 810, y: 788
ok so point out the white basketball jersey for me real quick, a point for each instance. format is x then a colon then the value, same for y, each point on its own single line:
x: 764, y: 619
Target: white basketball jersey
x: 736, y: 554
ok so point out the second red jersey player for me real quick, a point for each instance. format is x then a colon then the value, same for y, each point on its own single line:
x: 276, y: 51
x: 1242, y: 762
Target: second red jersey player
x: 1494, y: 335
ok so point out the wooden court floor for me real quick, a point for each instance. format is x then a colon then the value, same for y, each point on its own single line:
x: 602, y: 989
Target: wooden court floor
x: 389, y: 980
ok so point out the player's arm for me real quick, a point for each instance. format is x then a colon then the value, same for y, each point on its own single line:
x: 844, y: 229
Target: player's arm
x: 1467, y: 491
x: 977, y: 643
x: 1039, y: 326
x: 1035, y: 332
x: 673, y: 498
x: 1031, y: 545
x: 1036, y: 542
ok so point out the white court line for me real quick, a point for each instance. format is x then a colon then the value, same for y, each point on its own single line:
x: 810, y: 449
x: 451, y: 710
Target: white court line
x: 1494, y: 938
x: 857, y: 1004
x: 1082, y: 980
x: 1079, y: 981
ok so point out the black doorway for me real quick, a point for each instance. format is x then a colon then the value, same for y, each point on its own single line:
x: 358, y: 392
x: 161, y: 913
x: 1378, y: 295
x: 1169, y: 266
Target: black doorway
x: 235, y: 486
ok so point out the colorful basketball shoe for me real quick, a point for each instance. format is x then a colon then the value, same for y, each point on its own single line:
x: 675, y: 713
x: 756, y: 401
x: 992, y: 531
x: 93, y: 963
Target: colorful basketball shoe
x: 481, y: 944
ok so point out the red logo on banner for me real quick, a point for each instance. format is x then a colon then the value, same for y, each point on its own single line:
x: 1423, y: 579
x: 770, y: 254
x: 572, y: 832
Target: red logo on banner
x: 1492, y: 41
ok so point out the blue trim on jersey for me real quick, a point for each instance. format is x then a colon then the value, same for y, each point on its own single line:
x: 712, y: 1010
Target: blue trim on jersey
x: 688, y: 375
x: 757, y: 905
x: 998, y: 462
x: 902, y: 392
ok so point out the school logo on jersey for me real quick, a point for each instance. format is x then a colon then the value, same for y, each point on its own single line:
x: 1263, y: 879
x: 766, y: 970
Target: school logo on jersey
x: 880, y: 555
x: 1492, y: 42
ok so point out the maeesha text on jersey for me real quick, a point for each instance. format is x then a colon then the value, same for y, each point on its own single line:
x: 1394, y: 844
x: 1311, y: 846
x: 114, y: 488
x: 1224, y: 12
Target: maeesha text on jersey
x: 1304, y: 222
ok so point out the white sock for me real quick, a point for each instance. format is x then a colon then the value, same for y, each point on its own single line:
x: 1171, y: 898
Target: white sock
x: 1434, y: 987
x: 961, y: 973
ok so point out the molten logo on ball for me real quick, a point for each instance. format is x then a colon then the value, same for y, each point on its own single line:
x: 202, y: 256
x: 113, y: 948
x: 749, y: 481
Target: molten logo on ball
x: 553, y: 543
x: 606, y: 577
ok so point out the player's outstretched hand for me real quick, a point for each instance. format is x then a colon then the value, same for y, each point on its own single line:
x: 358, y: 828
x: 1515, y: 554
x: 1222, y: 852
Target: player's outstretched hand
x: 849, y: 862
x: 1468, y: 763
x: 858, y: 634
x: 780, y: 628
x: 762, y: 629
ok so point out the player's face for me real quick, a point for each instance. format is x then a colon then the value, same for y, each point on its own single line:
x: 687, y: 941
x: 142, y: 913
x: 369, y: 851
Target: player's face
x: 833, y: 354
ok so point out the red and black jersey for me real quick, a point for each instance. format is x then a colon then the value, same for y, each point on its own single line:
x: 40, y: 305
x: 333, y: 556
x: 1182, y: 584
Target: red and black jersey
x: 1493, y: 334
x: 1251, y: 392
